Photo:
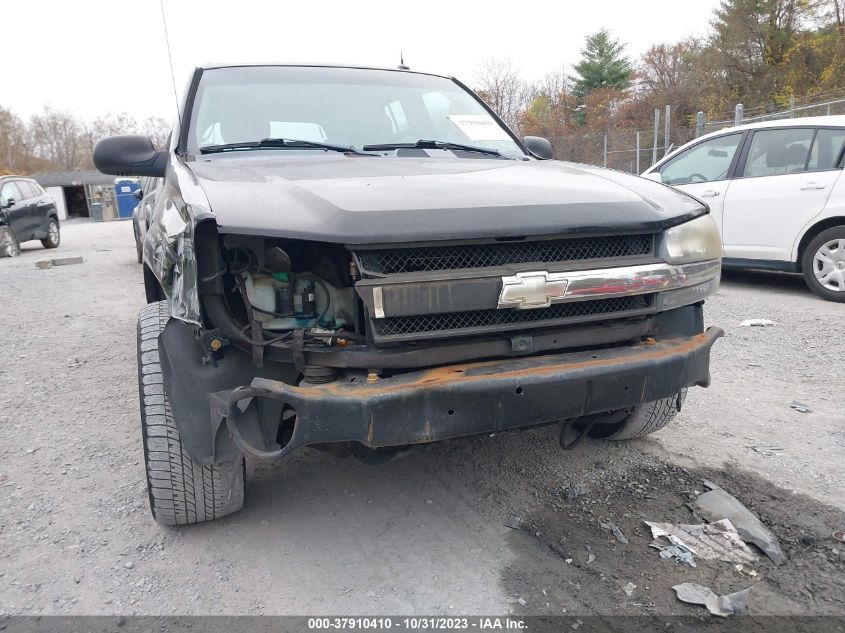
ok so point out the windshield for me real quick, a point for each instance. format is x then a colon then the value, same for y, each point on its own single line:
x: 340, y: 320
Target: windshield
x: 340, y: 106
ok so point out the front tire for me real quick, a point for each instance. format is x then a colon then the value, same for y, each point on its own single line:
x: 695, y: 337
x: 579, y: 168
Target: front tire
x: 180, y: 491
x: 648, y: 418
x: 53, y: 235
x: 9, y: 244
x: 823, y: 264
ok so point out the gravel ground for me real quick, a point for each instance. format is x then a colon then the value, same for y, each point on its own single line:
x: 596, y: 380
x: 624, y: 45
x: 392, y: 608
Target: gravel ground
x: 426, y: 534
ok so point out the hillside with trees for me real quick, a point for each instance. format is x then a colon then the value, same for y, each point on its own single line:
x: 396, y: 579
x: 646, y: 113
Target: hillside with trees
x: 756, y: 52
x: 58, y: 140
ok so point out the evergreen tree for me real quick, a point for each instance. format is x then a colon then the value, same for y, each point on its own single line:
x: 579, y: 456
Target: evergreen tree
x: 603, y: 65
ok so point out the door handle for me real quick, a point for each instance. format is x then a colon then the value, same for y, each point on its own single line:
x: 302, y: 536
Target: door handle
x: 812, y: 185
x: 710, y: 193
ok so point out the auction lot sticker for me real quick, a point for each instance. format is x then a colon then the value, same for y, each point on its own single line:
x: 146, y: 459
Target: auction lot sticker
x: 479, y: 127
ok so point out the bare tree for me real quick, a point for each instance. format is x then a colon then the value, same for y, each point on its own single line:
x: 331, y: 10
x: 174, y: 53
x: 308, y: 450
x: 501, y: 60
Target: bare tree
x: 837, y: 11
x: 158, y: 129
x: 109, y: 125
x: 666, y: 74
x: 13, y: 146
x: 498, y: 82
x: 58, y: 137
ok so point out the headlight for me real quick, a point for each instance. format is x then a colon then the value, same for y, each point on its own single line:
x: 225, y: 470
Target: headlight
x: 694, y: 241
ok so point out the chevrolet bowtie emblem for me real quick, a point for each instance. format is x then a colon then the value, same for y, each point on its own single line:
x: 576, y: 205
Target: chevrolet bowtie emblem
x: 536, y: 289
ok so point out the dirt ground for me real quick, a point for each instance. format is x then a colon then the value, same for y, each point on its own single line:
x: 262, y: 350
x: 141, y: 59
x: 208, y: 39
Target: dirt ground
x: 426, y: 534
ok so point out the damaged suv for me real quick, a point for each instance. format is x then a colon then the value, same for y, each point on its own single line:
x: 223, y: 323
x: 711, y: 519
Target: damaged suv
x: 358, y: 259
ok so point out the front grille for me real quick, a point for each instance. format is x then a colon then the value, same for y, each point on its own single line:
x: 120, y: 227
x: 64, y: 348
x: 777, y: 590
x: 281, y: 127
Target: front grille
x: 457, y: 322
x: 456, y: 257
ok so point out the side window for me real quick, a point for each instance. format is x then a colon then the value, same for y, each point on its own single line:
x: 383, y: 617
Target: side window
x: 28, y: 189
x: 778, y: 152
x: 10, y: 192
x: 705, y: 162
x: 827, y: 148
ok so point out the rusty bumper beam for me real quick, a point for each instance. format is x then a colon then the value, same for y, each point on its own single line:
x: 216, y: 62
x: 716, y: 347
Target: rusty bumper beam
x: 467, y: 399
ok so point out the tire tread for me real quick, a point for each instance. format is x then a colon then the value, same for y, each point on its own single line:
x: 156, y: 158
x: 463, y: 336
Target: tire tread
x: 650, y: 417
x: 180, y: 491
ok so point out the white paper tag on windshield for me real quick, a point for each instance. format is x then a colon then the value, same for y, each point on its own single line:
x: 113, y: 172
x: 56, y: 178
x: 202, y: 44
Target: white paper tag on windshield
x: 479, y: 127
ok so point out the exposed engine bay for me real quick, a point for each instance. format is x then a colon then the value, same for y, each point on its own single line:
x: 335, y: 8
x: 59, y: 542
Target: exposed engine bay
x: 290, y: 295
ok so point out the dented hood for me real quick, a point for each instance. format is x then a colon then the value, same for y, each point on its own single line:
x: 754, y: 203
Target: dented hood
x: 369, y: 200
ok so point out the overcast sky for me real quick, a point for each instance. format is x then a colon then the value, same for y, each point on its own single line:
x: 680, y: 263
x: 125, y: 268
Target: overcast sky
x: 98, y: 56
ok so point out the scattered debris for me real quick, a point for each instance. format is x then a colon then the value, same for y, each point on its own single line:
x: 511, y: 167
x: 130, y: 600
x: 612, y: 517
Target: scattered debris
x: 800, y: 407
x: 629, y: 589
x: 678, y: 552
x: 521, y: 601
x: 616, y: 532
x: 591, y: 558
x: 740, y: 569
x: 711, y: 541
x: 719, y: 504
x: 757, y: 323
x: 723, y: 606
x: 74, y: 363
x: 765, y: 451
x: 576, y: 490
x: 61, y: 261
x: 839, y: 535
x: 514, y: 522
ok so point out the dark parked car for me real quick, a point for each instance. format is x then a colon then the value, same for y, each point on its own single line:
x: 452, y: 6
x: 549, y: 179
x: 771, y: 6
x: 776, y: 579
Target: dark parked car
x: 141, y: 214
x: 28, y: 212
x: 359, y: 259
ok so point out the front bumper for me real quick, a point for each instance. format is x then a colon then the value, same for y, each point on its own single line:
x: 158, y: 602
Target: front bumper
x: 458, y: 400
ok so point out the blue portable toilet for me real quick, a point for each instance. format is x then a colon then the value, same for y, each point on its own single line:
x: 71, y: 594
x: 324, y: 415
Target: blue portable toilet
x: 124, y: 190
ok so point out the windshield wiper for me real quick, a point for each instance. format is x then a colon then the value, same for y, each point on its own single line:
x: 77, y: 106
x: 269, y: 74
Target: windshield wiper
x: 272, y: 143
x: 428, y: 144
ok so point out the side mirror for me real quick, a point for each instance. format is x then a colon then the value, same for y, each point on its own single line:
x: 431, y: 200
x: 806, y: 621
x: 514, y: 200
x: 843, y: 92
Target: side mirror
x: 131, y: 155
x: 10, y: 202
x: 138, y: 194
x: 539, y: 146
x: 653, y: 175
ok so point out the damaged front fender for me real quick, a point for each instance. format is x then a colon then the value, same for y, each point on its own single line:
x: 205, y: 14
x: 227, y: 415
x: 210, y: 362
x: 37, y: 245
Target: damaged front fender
x: 169, y: 251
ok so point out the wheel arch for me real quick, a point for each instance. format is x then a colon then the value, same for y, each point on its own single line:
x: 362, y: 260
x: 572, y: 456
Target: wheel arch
x: 152, y: 287
x: 809, y: 234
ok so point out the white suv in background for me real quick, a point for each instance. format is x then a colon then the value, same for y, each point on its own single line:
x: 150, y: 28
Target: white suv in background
x: 777, y: 193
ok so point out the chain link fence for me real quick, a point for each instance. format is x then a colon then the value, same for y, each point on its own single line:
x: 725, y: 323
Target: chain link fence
x: 634, y: 151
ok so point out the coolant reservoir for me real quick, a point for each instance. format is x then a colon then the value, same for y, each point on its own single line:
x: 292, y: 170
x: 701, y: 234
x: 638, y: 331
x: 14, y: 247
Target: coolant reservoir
x: 261, y: 291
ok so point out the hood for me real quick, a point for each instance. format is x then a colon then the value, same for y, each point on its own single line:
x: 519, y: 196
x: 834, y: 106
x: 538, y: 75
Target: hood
x: 373, y: 200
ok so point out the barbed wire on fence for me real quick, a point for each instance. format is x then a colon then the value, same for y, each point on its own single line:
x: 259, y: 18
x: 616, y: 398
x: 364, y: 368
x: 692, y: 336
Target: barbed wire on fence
x: 634, y: 151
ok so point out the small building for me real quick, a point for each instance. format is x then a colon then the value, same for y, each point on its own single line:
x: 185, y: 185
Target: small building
x: 82, y: 194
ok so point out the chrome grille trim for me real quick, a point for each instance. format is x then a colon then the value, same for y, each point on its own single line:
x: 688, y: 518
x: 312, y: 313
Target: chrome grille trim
x: 622, y: 281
